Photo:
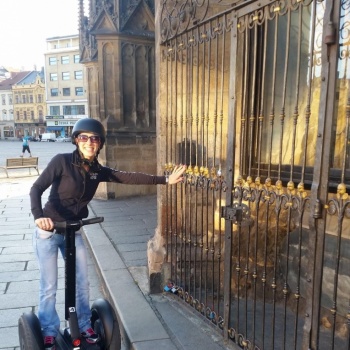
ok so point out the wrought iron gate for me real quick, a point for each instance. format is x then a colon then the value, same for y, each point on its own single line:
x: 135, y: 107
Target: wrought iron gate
x: 255, y: 100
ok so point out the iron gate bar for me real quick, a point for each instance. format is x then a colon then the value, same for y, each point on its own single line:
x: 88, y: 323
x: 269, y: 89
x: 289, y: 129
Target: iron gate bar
x: 296, y: 106
x: 279, y: 199
x: 170, y: 159
x: 182, y: 151
x: 213, y: 170
x: 320, y: 188
x: 195, y: 179
x: 166, y: 170
x: 176, y: 159
x: 202, y: 179
x: 229, y: 332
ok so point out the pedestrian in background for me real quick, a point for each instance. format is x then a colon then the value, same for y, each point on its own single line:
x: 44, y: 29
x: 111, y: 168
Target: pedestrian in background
x: 25, y: 146
x: 74, y: 178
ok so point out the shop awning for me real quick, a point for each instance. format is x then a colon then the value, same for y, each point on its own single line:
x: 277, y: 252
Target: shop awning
x: 53, y: 128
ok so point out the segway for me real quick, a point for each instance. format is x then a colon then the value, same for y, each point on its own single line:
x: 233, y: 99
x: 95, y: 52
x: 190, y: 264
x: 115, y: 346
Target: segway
x: 103, y: 318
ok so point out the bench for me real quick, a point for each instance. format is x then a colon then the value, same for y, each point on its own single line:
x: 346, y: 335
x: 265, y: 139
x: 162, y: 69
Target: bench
x: 20, y: 163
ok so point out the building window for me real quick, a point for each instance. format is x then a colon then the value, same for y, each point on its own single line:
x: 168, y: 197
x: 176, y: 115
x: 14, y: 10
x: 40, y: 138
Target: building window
x: 65, y: 59
x: 54, y: 92
x: 76, y: 58
x: 4, y: 114
x: 17, y: 99
x: 24, y: 99
x: 79, y: 91
x: 25, y: 115
x: 66, y: 91
x: 65, y: 75
x: 54, y: 110
x: 40, y: 98
x: 40, y: 115
x: 53, y: 76
x: 3, y: 100
x: 32, y: 114
x: 17, y: 115
x: 52, y: 61
x: 10, y: 99
x: 78, y: 74
x: 11, y: 114
x: 30, y: 98
x: 8, y: 131
x: 74, y: 110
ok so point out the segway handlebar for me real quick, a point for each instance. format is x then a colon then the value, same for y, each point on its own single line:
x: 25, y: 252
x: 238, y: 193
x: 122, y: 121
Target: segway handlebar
x: 76, y: 224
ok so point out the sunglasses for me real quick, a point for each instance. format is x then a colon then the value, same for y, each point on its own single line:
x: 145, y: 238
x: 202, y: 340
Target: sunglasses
x: 93, y: 139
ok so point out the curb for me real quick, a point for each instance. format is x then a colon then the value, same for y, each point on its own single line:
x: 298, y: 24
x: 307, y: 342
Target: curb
x: 139, y: 326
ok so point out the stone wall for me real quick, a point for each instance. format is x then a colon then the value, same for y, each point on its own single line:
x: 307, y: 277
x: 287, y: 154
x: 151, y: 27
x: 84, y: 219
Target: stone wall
x: 128, y: 154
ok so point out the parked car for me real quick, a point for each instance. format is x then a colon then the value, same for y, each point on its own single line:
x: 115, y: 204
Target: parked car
x: 48, y: 137
x: 29, y: 138
x: 63, y: 139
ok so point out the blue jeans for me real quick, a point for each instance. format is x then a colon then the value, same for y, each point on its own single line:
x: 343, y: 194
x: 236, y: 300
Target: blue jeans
x: 46, y: 245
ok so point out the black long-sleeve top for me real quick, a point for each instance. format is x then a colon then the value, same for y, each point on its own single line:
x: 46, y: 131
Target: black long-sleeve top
x: 72, y: 187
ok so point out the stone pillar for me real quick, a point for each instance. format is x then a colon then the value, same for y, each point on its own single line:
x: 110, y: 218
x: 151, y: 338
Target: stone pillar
x: 156, y: 252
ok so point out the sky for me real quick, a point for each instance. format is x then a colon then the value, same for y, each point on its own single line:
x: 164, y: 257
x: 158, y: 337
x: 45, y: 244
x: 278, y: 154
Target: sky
x: 26, y: 24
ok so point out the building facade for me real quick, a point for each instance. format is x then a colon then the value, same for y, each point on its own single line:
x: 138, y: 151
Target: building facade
x: 29, y: 105
x: 66, y: 95
x: 7, y: 121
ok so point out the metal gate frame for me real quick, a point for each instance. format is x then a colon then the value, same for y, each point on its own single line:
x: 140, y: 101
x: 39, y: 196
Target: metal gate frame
x: 313, y: 194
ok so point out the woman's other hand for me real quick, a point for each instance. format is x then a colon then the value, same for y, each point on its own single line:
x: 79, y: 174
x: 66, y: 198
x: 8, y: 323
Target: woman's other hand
x: 176, y: 175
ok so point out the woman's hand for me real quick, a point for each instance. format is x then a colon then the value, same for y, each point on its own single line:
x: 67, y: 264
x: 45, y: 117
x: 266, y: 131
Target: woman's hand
x: 44, y: 223
x: 176, y: 175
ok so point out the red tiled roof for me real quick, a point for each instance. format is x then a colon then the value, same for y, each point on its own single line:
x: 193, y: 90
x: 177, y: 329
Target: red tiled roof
x: 16, y: 77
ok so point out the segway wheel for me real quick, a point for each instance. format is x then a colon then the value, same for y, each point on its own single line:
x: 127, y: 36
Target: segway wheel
x: 29, y: 332
x: 105, y: 323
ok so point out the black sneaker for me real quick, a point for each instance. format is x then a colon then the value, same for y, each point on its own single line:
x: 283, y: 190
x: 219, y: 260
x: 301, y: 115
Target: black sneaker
x: 49, y: 342
x: 90, y: 336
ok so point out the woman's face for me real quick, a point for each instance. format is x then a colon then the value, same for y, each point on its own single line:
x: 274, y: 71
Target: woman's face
x: 88, y: 143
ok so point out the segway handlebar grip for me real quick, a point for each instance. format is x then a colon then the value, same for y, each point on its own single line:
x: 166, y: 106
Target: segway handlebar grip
x: 92, y: 220
x: 62, y: 225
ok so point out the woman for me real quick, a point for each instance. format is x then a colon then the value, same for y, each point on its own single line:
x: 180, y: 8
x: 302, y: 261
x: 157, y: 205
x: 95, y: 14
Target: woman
x: 74, y: 178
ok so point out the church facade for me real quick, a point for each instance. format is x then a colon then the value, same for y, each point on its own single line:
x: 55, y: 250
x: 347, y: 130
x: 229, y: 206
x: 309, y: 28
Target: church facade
x: 117, y: 49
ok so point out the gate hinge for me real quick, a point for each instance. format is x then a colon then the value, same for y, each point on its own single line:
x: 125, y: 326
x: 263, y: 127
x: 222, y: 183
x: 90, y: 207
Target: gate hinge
x: 317, y: 210
x: 237, y: 213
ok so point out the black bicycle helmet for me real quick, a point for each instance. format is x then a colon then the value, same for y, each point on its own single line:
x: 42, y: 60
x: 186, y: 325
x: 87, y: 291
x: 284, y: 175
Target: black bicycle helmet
x: 89, y: 125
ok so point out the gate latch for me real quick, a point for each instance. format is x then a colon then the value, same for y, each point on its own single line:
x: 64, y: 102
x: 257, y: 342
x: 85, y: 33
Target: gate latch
x: 237, y: 213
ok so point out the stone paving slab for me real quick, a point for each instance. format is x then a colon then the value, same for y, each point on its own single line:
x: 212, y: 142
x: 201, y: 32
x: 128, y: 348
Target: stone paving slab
x: 136, y: 263
x: 18, y: 276
x: 19, y: 249
x: 190, y: 331
x: 128, y: 239
x: 125, y: 247
x: 12, y: 266
x: 16, y: 257
x: 134, y: 255
x: 9, y: 339
x: 128, y: 232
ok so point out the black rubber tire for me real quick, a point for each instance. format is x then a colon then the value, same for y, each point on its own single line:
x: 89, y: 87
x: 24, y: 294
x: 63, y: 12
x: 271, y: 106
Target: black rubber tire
x: 105, y: 323
x: 29, y: 332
